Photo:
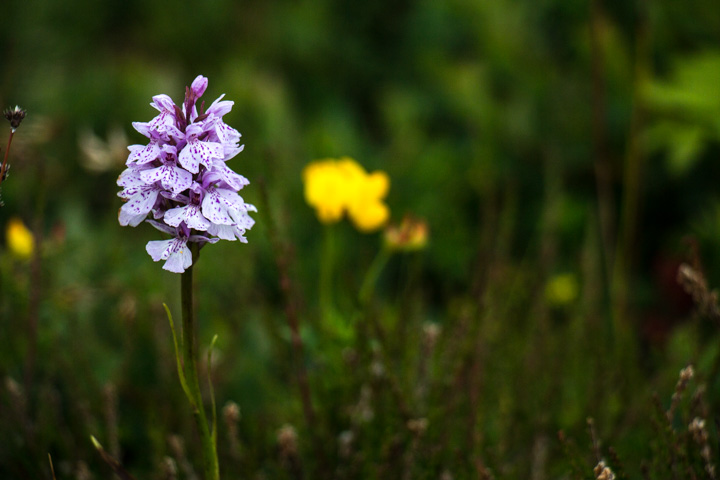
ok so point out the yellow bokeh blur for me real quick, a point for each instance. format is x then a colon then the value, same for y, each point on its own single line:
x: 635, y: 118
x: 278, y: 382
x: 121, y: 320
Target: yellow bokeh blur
x: 19, y: 239
x: 324, y: 192
x: 562, y: 289
x: 368, y: 217
x: 335, y: 187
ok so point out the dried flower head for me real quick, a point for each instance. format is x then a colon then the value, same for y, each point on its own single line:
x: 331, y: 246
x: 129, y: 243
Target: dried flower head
x: 231, y: 412
x: 697, y: 429
x: 287, y: 439
x: 14, y: 116
x: 686, y: 374
x: 431, y: 332
x: 336, y: 187
x: 417, y: 426
x: 410, y: 235
x: 603, y: 472
x: 180, y: 177
x: 345, y: 443
x: 694, y: 283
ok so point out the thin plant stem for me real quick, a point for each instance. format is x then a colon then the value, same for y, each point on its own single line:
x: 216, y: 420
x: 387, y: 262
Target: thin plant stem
x: 7, y: 151
x: 373, y: 273
x: 190, y: 367
x: 326, y: 272
x: 632, y: 183
x: 36, y: 281
x: 601, y: 159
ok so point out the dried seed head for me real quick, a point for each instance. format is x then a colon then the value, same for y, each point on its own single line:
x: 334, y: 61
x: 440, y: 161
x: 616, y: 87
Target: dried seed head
x: 697, y: 429
x: 686, y: 374
x: 603, y: 472
x: 345, y: 443
x: 446, y: 475
x: 417, y: 425
x: 431, y: 332
x: 231, y: 412
x: 363, y: 411
x: 177, y: 445
x: 14, y: 116
x: 377, y: 369
x: 169, y: 468
x: 82, y: 472
x: 694, y: 283
x: 287, y: 440
x: 13, y: 387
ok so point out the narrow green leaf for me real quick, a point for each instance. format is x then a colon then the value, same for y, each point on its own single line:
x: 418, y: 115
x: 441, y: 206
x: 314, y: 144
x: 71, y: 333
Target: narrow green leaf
x: 178, y: 359
x: 212, y: 391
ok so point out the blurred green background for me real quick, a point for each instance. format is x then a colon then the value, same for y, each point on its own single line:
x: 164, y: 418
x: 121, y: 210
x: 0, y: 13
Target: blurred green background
x: 564, y: 155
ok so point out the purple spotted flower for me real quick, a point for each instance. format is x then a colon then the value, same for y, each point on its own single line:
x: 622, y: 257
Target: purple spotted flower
x: 181, y: 180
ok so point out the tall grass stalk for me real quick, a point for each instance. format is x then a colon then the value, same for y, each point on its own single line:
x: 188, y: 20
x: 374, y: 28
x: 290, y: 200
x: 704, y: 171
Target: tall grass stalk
x: 373, y: 274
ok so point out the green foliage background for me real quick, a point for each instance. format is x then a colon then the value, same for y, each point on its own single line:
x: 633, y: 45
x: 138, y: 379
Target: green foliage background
x: 536, y: 138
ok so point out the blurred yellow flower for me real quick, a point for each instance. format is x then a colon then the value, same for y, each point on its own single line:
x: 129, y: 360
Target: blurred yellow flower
x: 335, y: 187
x: 410, y: 235
x: 19, y: 239
x: 562, y: 289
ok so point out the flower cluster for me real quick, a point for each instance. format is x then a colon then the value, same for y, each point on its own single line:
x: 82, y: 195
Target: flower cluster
x: 336, y: 187
x: 180, y: 177
x: 15, y: 116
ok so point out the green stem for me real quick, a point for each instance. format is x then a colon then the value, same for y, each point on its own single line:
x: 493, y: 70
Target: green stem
x: 372, y: 275
x: 190, y: 363
x: 326, y: 270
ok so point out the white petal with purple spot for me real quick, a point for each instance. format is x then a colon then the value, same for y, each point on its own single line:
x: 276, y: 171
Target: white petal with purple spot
x: 126, y: 218
x: 190, y: 214
x: 197, y: 152
x: 142, y: 202
x: 157, y: 248
x: 215, y: 210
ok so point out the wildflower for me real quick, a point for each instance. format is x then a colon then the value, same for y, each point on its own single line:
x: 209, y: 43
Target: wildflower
x: 410, y: 235
x: 338, y: 187
x: 324, y: 190
x: 19, y: 239
x: 181, y: 178
x: 14, y: 116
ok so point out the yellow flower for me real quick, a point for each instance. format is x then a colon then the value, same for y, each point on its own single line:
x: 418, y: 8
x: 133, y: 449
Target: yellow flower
x: 19, y: 239
x: 410, y: 235
x: 335, y: 187
x: 324, y: 191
